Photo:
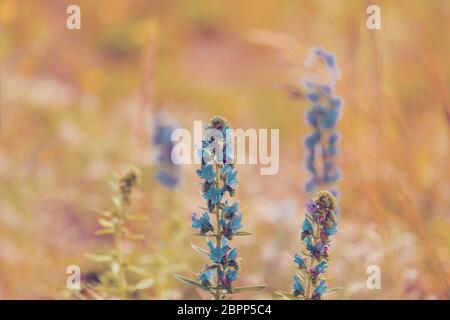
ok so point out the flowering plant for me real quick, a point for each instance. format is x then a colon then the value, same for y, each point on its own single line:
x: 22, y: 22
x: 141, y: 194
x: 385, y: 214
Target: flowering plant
x: 115, y: 281
x: 220, y: 222
x: 323, y: 115
x: 319, y: 225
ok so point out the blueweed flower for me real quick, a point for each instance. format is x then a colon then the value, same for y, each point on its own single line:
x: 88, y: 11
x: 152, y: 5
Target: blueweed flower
x: 219, y: 183
x: 323, y: 115
x: 309, y: 283
x: 167, y: 172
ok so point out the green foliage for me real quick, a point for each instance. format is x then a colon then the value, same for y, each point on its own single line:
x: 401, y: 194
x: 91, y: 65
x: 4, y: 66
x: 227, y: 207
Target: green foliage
x: 123, y: 277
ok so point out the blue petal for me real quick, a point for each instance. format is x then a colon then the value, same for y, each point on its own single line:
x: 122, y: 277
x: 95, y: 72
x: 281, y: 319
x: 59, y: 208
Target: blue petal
x: 298, y: 288
x: 213, y: 194
x: 207, y: 173
x: 300, y: 261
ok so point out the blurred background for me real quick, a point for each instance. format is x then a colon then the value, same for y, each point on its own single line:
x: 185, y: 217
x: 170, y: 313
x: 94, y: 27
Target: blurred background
x: 77, y: 105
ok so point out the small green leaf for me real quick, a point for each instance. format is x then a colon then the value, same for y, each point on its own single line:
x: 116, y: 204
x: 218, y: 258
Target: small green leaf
x: 104, y: 213
x: 139, y: 270
x: 105, y: 223
x: 205, y: 235
x: 98, y: 257
x: 105, y: 231
x: 117, y: 202
x: 132, y: 236
x: 211, y: 267
x: 334, y: 290
x: 200, y: 250
x: 249, y: 288
x: 285, y: 295
x: 191, y: 282
x: 142, y: 285
x: 243, y: 233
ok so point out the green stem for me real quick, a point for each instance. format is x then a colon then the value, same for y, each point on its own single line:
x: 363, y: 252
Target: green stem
x: 218, y: 235
x: 122, y: 281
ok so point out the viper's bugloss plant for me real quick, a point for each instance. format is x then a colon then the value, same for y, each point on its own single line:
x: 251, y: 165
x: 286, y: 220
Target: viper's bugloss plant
x: 319, y: 225
x: 323, y: 115
x: 221, y: 220
x: 167, y: 173
x: 115, y: 281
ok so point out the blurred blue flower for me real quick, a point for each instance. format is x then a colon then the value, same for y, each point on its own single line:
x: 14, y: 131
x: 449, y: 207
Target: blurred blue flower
x: 323, y: 115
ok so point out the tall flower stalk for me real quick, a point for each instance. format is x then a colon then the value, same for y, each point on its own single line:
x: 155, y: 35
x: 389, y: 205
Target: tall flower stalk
x: 115, y: 281
x: 220, y: 222
x: 319, y: 225
x: 323, y: 115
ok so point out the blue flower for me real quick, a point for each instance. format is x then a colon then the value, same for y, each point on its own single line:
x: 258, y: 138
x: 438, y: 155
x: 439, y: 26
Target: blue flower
x: 321, y: 267
x: 329, y: 231
x: 312, y: 140
x: 168, y: 179
x: 323, y: 118
x: 300, y: 261
x: 213, y: 194
x: 231, y: 227
x: 313, y: 97
x: 167, y: 172
x: 307, y: 229
x: 298, y: 289
x: 205, y: 277
x: 319, y: 290
x: 232, y: 275
x: 203, y: 223
x: 228, y: 212
x: 207, y: 172
x: 232, y: 254
x: 231, y: 178
x: 216, y: 254
x: 316, y: 250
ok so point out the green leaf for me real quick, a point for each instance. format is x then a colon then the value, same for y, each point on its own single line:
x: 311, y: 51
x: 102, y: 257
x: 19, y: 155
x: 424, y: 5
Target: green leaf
x: 285, y: 295
x: 117, y: 202
x: 106, y: 223
x: 211, y: 267
x: 200, y: 250
x: 139, y: 270
x: 104, y: 213
x: 142, y: 285
x: 132, y: 236
x: 243, y: 233
x: 205, y: 235
x: 98, y: 257
x: 333, y: 290
x: 104, y: 231
x: 249, y: 288
x: 191, y: 282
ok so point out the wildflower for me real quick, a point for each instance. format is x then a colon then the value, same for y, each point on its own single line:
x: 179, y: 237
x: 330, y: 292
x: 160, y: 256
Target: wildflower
x: 299, y: 261
x: 167, y: 173
x: 203, y: 223
x: 113, y: 222
x: 320, y: 219
x: 319, y: 290
x: 323, y: 115
x: 297, y: 287
x: 219, y: 179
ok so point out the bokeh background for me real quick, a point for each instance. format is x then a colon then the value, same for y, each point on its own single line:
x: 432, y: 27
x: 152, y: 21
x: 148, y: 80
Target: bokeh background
x: 76, y: 106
